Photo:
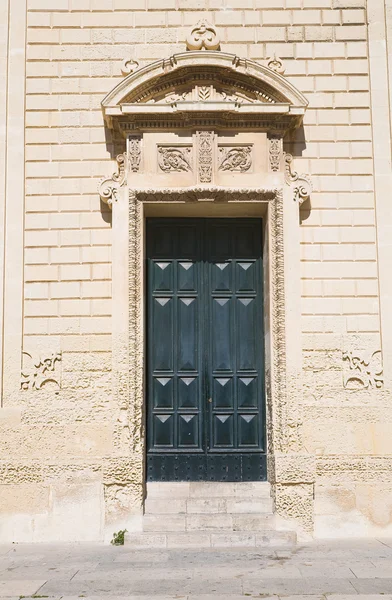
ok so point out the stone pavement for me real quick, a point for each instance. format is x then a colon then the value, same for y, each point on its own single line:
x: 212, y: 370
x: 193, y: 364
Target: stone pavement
x: 338, y: 570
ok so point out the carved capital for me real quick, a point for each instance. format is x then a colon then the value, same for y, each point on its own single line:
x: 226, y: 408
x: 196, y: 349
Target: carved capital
x: 203, y: 37
x: 301, y: 184
x: 108, y: 188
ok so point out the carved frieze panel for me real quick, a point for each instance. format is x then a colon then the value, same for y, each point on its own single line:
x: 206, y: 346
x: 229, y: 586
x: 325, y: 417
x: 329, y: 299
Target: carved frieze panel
x: 40, y: 370
x: 174, y: 159
x: 363, y: 370
x: 205, y: 141
x: 237, y: 159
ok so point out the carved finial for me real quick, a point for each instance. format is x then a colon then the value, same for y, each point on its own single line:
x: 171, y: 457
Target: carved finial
x: 109, y: 187
x: 302, y: 184
x: 128, y: 66
x: 203, y: 37
x: 276, y: 64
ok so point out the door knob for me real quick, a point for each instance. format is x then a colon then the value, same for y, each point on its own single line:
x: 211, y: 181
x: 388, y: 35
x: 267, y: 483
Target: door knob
x: 210, y: 400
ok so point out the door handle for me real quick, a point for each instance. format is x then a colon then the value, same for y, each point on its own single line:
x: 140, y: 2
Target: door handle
x: 210, y: 400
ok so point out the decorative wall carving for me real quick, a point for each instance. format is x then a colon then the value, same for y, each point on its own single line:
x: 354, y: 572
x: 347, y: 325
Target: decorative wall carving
x: 174, y: 159
x: 109, y: 187
x: 276, y: 64
x: 205, y: 155
x: 363, y: 371
x: 135, y: 153
x: 128, y: 66
x: 203, y: 37
x: 38, y: 371
x: 301, y: 184
x: 275, y: 153
x: 237, y: 159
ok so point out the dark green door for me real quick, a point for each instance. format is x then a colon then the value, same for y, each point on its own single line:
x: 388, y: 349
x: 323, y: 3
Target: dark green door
x: 206, y: 409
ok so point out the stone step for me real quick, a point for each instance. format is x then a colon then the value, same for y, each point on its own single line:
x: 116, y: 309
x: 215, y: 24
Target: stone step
x: 208, y: 489
x: 230, y: 505
x: 208, y: 522
x: 213, y: 539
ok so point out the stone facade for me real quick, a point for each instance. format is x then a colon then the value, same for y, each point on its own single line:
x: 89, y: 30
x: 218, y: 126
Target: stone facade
x: 71, y: 302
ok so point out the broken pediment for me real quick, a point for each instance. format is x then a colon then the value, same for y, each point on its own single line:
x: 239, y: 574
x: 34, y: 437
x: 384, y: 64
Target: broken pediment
x: 195, y: 86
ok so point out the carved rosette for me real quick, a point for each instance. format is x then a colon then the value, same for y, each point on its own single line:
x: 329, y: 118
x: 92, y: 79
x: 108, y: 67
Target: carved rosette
x: 174, y: 159
x: 363, y: 372
x: 237, y: 159
x: 203, y: 37
x: 275, y: 154
x: 37, y: 371
x: 205, y: 155
x: 301, y: 184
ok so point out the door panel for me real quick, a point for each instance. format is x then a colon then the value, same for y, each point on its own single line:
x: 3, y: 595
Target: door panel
x: 206, y: 417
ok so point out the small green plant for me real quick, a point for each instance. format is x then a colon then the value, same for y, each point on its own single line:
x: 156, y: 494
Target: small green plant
x: 118, y: 538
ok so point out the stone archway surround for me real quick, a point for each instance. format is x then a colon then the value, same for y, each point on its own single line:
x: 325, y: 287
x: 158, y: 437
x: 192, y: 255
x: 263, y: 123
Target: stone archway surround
x: 137, y: 187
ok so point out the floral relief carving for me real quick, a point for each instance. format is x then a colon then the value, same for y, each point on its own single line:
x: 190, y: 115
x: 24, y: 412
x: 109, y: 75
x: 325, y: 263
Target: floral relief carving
x: 275, y: 154
x: 205, y: 155
x: 38, y: 371
x: 203, y: 37
x: 174, y: 159
x: 301, y: 184
x: 237, y: 159
x: 135, y: 153
x: 363, y: 371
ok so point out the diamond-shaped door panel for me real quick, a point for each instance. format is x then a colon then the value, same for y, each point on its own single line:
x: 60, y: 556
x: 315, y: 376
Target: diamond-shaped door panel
x: 163, y: 431
x: 221, y: 276
x: 246, y: 334
x: 247, y: 392
x: 245, y: 276
x: 163, y: 392
x: 188, y: 431
x: 188, y: 392
x: 162, y: 322
x: 187, y: 334
x: 222, y: 394
x: 221, y: 334
x: 248, y: 431
x: 187, y: 276
x: 163, y: 276
x: 223, y: 431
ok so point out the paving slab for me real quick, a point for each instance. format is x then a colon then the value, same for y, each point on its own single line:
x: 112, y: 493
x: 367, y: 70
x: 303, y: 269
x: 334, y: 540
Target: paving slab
x: 20, y: 587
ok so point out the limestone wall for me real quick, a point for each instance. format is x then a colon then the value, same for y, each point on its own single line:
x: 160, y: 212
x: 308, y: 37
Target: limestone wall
x: 64, y: 438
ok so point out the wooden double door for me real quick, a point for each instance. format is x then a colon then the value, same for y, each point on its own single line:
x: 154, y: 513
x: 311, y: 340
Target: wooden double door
x: 205, y: 387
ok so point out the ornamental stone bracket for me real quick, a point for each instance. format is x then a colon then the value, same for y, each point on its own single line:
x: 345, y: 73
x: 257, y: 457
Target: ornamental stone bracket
x: 301, y: 184
x: 108, y: 188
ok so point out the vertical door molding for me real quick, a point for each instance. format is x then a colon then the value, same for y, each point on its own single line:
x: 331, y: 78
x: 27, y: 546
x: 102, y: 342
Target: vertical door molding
x: 13, y: 212
x: 380, y: 49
